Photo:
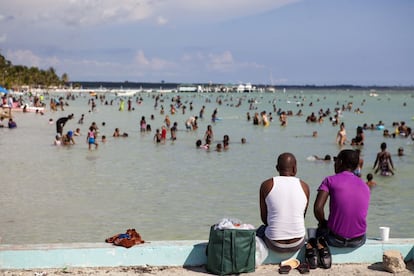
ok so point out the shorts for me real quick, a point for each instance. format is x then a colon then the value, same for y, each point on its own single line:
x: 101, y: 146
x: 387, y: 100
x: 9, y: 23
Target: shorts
x: 91, y: 140
x: 386, y: 173
x: 279, y: 247
x: 338, y: 241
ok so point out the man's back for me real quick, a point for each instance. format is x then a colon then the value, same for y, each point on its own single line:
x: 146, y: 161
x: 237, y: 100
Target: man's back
x: 349, y: 202
x: 286, y: 204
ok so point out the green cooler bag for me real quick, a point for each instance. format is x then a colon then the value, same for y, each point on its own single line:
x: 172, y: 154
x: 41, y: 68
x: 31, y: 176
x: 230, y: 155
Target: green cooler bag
x: 231, y: 251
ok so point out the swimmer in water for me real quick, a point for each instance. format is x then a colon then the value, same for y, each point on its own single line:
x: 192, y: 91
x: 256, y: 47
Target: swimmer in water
x: 383, y: 162
x: 326, y: 158
x: 370, y: 182
x: 199, y: 145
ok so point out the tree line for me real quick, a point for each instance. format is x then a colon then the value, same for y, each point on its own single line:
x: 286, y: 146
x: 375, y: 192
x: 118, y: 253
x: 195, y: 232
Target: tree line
x: 16, y: 76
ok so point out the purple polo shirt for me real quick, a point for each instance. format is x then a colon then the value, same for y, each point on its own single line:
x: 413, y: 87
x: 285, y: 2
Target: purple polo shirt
x: 348, y: 204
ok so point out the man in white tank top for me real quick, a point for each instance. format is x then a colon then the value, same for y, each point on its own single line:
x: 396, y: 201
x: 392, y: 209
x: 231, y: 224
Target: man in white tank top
x: 283, y: 203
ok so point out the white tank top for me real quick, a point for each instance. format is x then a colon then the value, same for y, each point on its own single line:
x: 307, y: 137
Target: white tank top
x: 286, y: 204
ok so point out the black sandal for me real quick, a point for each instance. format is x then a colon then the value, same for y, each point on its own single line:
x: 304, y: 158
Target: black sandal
x: 311, y: 253
x: 325, y: 258
x: 303, y: 268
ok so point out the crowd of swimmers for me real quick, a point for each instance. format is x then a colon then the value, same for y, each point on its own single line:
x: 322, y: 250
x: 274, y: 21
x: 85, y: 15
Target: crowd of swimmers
x: 160, y: 135
x: 168, y: 129
x: 383, y: 163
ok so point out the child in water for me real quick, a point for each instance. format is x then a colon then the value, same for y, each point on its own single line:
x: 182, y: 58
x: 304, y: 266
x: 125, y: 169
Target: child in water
x: 157, y: 136
x: 199, y: 145
x: 370, y: 182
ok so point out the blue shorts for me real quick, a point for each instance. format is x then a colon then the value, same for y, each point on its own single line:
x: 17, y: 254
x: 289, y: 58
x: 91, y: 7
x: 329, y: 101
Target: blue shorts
x: 338, y: 241
x: 91, y: 140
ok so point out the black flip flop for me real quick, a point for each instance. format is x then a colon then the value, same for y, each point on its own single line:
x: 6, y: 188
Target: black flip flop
x: 284, y: 269
x: 303, y: 268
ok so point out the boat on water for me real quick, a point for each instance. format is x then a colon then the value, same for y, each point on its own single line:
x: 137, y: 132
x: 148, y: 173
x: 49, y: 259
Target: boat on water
x: 245, y: 88
x: 125, y: 93
x: 373, y: 93
x: 189, y: 88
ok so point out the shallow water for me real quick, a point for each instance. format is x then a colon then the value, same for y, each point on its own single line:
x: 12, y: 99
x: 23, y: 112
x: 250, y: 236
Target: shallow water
x: 174, y: 191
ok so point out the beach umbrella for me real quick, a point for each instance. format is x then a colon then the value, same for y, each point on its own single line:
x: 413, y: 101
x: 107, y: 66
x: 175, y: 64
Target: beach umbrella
x: 3, y: 90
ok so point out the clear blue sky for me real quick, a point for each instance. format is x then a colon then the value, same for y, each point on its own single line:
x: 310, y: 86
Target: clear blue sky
x: 280, y: 42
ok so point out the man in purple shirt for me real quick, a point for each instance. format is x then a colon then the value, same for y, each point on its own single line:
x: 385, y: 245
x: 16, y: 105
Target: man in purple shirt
x: 348, y: 205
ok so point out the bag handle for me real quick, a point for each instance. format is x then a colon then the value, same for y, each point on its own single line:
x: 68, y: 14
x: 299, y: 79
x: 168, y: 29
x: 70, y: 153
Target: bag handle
x: 233, y: 249
x: 223, y: 233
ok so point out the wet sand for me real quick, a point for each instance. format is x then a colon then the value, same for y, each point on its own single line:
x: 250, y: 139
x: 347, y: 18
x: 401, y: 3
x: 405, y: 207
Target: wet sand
x: 264, y: 270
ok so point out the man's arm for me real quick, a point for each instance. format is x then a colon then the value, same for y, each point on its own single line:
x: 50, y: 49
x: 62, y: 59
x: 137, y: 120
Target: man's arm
x: 305, y: 188
x: 265, y: 188
x: 376, y: 161
x: 318, y: 208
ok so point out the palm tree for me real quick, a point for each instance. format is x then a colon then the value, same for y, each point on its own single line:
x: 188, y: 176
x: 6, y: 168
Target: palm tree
x: 18, y: 75
x: 65, y: 78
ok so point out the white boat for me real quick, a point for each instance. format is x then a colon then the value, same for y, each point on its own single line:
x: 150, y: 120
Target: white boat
x: 191, y: 88
x: 245, y: 88
x: 373, y: 93
x: 126, y: 92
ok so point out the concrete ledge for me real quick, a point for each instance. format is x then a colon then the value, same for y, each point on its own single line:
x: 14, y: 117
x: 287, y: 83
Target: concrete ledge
x: 370, y: 252
x: 165, y: 253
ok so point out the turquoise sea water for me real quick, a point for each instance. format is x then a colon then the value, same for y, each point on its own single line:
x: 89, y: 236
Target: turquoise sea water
x: 175, y: 191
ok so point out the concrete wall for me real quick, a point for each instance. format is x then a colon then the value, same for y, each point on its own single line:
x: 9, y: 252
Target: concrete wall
x: 165, y: 253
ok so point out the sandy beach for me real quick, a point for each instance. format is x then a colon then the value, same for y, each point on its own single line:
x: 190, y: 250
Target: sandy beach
x: 264, y: 270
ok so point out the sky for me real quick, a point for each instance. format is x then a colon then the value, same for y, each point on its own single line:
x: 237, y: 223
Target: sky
x: 273, y: 42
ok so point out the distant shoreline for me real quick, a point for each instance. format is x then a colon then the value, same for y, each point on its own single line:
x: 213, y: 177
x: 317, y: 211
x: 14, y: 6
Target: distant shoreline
x: 173, y: 85
x: 164, y: 87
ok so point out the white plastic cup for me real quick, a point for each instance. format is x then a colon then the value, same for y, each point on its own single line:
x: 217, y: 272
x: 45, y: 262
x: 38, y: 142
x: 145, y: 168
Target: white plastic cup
x: 385, y: 233
x: 311, y: 233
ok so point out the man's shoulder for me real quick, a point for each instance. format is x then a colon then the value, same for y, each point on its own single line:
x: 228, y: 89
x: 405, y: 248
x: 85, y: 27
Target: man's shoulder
x: 267, y: 181
x: 334, y: 178
x: 303, y: 183
x: 266, y: 185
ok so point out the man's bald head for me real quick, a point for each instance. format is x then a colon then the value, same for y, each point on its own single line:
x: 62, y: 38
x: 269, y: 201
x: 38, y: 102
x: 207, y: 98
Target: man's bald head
x: 286, y: 164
